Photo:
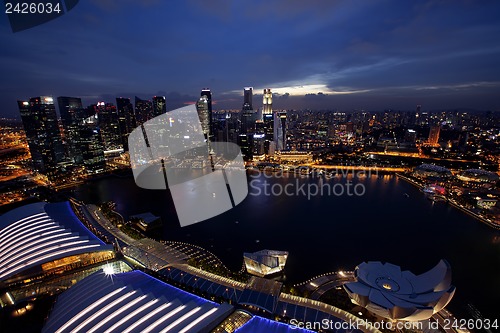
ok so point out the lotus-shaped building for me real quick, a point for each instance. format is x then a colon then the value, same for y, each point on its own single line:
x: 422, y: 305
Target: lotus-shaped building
x: 385, y: 290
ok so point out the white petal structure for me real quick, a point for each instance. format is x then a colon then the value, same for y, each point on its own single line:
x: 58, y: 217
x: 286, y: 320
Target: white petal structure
x: 385, y: 290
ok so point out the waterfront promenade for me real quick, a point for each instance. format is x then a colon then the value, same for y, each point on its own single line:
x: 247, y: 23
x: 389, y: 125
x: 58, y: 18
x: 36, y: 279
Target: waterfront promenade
x: 455, y: 204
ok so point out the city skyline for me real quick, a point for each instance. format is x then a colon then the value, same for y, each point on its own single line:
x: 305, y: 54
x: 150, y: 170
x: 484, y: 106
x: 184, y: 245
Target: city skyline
x: 325, y: 55
x: 232, y: 166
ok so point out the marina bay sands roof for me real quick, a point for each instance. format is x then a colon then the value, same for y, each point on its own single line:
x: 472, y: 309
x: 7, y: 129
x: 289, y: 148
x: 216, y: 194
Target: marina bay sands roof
x: 35, y: 234
x: 385, y: 290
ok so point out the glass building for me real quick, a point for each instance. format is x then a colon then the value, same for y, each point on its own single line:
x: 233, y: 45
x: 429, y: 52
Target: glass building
x: 126, y: 119
x: 159, y: 106
x: 212, y: 128
x: 108, y: 125
x: 280, y: 126
x: 71, y: 111
x: 143, y: 110
x: 42, y: 132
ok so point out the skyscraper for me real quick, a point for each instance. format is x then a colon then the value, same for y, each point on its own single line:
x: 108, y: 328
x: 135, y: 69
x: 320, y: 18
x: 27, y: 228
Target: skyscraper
x: 247, y: 98
x: 280, y: 126
x: 267, y: 102
x: 42, y: 132
x: 268, y: 119
x: 90, y: 142
x: 143, y: 110
x: 245, y: 141
x: 204, y: 115
x: 159, y: 106
x: 248, y: 115
x: 211, y: 123
x: 126, y: 119
x: 434, y: 135
x: 108, y: 124
x: 72, y: 114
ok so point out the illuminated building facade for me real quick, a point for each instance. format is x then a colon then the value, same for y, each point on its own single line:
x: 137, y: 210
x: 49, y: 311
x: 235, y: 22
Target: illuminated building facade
x: 434, y: 135
x: 126, y: 119
x: 294, y: 156
x: 72, y: 113
x: 91, y: 145
x: 108, y: 125
x: 259, y: 145
x: 247, y: 98
x: 267, y: 102
x: 247, y: 126
x: 42, y: 132
x: 143, y: 110
x: 205, y: 116
x: 280, y: 126
x: 248, y: 114
x: 245, y: 141
x: 212, y: 127
x: 268, y: 121
x: 265, y: 262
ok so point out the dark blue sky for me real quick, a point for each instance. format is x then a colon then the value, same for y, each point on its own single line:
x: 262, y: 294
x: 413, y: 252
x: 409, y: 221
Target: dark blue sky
x: 360, y: 54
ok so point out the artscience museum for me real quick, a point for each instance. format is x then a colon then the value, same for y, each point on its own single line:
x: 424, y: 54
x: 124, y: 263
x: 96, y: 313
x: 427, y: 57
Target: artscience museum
x: 388, y: 292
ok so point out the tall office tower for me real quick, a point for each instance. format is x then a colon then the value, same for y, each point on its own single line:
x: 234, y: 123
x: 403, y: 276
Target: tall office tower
x: 463, y: 139
x: 280, y: 125
x: 72, y: 113
x: 268, y: 119
x: 90, y: 142
x: 159, y: 106
x: 211, y: 121
x: 245, y: 141
x: 42, y: 131
x: 248, y: 115
x: 434, y: 135
x: 258, y: 146
x: 126, y: 119
x: 143, y: 110
x: 227, y: 126
x: 247, y: 98
x: 267, y: 102
x: 204, y: 116
x: 419, y: 120
x: 108, y: 125
x: 410, y: 136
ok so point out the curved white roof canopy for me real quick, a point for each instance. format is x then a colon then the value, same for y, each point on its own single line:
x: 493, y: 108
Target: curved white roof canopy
x: 38, y: 233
